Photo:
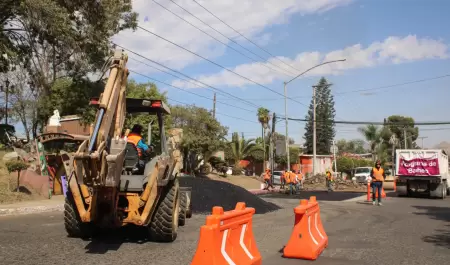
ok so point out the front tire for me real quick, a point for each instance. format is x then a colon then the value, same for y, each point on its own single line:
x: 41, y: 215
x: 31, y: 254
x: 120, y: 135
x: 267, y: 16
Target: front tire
x: 72, y: 221
x: 164, y: 224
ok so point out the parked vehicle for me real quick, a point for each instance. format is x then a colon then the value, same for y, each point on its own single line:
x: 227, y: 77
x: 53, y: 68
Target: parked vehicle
x: 422, y: 171
x: 362, y: 174
x: 277, y: 177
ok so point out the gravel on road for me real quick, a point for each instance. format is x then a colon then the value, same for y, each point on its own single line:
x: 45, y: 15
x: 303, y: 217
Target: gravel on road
x: 207, y: 193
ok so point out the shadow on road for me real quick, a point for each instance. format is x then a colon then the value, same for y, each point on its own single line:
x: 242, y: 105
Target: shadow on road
x: 441, y: 237
x: 112, y: 240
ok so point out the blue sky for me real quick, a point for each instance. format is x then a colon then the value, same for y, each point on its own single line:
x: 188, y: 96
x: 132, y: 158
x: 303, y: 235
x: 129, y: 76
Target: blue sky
x: 385, y: 43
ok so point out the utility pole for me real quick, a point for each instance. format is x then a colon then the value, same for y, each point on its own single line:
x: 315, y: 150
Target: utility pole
x: 214, y: 106
x: 335, y: 158
x: 422, y: 137
x: 314, y: 131
x: 285, y: 104
x: 404, y: 137
x: 271, y: 147
x: 287, y: 135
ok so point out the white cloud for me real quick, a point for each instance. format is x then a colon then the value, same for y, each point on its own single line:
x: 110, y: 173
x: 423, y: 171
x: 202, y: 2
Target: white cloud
x: 391, y: 50
x: 249, y: 17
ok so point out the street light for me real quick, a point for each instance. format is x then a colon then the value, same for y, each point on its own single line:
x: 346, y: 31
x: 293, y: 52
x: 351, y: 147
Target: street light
x: 6, y: 90
x: 285, y: 107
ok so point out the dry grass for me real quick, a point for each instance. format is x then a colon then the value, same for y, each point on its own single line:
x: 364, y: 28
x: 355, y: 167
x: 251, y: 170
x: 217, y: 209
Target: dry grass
x: 8, y: 186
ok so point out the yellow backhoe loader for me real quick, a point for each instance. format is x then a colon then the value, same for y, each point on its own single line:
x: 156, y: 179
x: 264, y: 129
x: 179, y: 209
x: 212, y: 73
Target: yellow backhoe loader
x: 109, y: 187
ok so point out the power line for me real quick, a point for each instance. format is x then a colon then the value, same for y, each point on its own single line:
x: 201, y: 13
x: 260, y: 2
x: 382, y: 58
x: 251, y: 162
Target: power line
x: 370, y: 89
x: 206, y: 33
x: 245, y: 36
x: 178, y: 72
x: 187, y: 80
x: 180, y: 102
x: 218, y: 65
x: 376, y: 123
x: 187, y: 91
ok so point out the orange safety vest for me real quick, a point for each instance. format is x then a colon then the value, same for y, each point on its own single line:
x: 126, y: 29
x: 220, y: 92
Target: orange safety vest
x: 378, y: 174
x: 134, y: 138
x: 293, y: 177
x: 287, y: 177
x: 267, y: 175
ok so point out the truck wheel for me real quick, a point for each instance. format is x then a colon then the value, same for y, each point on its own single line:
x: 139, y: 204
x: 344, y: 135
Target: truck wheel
x: 164, y: 224
x: 183, y: 209
x: 72, y: 221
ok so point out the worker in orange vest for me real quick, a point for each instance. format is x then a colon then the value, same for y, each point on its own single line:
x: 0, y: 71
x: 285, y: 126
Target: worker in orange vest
x: 292, y: 182
x: 287, y: 178
x: 283, y: 179
x: 378, y: 175
x: 267, y: 177
x: 329, y: 178
x: 135, y: 138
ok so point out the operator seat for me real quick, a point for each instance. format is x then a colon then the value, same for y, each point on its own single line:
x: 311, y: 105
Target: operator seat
x: 131, y: 161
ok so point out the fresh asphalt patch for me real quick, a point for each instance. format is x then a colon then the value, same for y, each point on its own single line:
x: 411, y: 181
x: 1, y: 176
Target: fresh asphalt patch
x: 320, y: 195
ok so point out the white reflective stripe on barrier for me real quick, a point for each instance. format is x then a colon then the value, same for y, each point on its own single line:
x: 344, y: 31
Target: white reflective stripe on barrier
x: 309, y: 230
x: 223, y: 250
x: 318, y: 231
x: 241, y: 242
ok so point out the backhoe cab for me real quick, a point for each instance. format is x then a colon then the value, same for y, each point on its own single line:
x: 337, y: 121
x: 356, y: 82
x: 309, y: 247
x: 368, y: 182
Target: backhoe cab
x: 108, y: 188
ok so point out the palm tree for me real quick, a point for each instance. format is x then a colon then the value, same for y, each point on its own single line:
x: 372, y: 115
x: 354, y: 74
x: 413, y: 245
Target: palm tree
x: 373, y: 136
x: 242, y: 148
x: 263, y: 118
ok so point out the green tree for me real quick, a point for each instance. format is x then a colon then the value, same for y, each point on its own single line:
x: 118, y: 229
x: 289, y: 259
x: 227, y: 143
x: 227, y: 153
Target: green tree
x: 60, y: 39
x: 294, y: 153
x: 242, y: 148
x: 202, y: 133
x: 325, y: 113
x: 372, y: 134
x: 351, y: 146
x: 402, y: 127
x: 263, y: 118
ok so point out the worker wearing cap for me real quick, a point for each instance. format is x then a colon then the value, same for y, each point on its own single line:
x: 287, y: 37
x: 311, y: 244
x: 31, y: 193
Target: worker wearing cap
x: 378, y: 175
x: 329, y: 178
x: 288, y: 180
x: 135, y: 138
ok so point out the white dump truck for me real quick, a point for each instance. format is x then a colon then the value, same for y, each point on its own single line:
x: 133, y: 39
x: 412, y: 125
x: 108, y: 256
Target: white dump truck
x: 422, y: 171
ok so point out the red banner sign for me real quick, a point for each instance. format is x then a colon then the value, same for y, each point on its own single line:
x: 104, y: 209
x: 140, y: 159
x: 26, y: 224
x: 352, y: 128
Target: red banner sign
x: 418, y: 167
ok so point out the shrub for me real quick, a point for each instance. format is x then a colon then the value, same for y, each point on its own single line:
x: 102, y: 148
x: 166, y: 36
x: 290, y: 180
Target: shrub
x: 237, y: 170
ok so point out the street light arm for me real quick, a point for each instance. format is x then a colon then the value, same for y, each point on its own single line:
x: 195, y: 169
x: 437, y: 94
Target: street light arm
x: 342, y: 60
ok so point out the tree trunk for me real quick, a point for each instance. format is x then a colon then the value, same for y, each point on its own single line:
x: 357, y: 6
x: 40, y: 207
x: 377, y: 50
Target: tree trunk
x: 18, y: 180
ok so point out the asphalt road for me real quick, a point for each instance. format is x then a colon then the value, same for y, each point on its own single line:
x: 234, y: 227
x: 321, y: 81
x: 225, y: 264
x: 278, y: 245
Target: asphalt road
x: 402, y: 231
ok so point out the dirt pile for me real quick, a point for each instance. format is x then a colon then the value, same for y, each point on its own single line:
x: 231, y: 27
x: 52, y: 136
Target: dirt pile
x: 318, y: 182
x: 208, y: 193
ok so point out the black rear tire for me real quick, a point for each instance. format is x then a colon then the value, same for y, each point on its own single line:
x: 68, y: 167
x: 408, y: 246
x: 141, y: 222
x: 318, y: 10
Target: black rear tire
x: 164, y: 224
x: 72, y: 221
x: 183, y: 209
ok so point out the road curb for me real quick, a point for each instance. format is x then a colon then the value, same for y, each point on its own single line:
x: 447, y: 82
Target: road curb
x: 31, y: 209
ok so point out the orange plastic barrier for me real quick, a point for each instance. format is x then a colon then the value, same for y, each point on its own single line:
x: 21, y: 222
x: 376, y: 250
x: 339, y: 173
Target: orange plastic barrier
x: 227, y: 238
x: 308, y: 238
x: 369, y: 192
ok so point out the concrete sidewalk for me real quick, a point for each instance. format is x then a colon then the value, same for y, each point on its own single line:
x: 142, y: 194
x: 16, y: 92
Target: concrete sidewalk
x: 56, y: 203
